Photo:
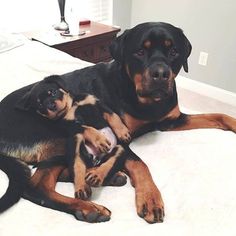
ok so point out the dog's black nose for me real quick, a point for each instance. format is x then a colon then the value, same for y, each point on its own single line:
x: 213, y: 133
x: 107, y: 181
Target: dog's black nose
x: 160, y: 72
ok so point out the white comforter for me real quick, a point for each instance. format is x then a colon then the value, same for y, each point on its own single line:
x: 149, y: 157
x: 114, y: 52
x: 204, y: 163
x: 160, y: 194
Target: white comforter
x: 195, y: 171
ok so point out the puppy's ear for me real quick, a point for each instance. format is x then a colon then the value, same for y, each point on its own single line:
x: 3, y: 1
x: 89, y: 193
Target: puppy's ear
x: 56, y: 79
x: 117, y: 47
x: 24, y: 104
x: 188, y: 49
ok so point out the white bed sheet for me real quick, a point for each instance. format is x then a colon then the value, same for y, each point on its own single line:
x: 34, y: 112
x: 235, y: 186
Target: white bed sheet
x: 195, y: 171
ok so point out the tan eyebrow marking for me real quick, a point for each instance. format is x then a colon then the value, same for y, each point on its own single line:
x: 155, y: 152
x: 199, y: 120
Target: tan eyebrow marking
x: 147, y: 44
x: 168, y: 43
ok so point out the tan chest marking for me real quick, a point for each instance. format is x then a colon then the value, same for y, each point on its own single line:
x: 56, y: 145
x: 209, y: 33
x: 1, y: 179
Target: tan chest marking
x: 89, y: 100
x: 70, y: 115
x: 173, y: 114
x: 132, y: 123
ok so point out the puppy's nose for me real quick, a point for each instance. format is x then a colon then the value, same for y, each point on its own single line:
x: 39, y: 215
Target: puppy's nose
x: 160, y: 72
x: 52, y: 106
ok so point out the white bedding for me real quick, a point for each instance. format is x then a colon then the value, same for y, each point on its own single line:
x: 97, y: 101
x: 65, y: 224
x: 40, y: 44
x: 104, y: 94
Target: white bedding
x: 195, y: 171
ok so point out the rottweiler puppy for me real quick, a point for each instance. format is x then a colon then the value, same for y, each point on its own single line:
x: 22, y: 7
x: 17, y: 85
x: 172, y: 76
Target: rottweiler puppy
x: 139, y: 86
x: 73, y: 115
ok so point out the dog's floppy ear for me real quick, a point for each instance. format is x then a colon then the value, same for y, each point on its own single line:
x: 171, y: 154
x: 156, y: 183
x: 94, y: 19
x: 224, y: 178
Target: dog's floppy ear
x: 24, y: 104
x: 187, y: 52
x: 56, y: 79
x: 117, y: 47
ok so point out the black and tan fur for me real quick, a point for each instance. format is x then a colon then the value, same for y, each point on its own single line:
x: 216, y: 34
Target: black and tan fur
x: 139, y: 86
x: 74, y: 115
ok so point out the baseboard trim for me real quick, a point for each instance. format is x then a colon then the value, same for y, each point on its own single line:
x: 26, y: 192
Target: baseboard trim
x: 206, y: 90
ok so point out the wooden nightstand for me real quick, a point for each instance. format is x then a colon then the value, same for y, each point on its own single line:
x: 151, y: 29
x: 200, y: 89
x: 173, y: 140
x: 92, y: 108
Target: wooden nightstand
x: 92, y: 47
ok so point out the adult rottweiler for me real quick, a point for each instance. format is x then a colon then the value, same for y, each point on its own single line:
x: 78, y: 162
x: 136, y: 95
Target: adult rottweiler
x: 139, y: 86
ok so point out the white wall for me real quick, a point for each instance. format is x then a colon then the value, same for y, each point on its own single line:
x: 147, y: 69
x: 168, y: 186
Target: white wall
x: 23, y: 15
x: 210, y: 26
x: 122, y: 13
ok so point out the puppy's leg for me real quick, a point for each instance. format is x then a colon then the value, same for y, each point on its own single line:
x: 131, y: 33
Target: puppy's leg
x: 82, y: 190
x: 118, y: 179
x: 187, y: 122
x: 97, y: 176
x: 115, y: 122
x: 119, y: 128
x: 149, y: 202
x: 42, y: 192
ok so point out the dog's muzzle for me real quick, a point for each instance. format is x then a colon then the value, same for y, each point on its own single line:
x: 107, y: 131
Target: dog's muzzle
x: 156, y: 84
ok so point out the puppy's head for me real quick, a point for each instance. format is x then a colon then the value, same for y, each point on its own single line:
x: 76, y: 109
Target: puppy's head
x: 152, y: 55
x: 48, y: 97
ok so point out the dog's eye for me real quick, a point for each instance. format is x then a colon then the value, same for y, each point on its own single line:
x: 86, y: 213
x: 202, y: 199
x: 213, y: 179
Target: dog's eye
x: 173, y: 52
x: 140, y: 52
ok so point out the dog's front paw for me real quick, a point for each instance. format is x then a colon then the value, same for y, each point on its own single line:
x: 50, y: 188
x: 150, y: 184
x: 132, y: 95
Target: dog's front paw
x: 83, y: 192
x: 150, y: 205
x: 90, y: 212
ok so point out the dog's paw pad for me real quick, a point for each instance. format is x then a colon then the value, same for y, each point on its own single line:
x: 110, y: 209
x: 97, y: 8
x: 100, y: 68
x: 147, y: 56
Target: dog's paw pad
x: 103, y: 218
x: 119, y: 179
x: 92, y: 216
x: 79, y: 215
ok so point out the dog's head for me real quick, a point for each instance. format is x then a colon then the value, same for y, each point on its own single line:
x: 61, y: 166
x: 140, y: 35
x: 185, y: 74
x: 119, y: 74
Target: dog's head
x: 152, y: 55
x: 48, y: 97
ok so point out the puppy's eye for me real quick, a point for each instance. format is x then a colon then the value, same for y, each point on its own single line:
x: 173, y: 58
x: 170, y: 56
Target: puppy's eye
x: 39, y: 103
x: 140, y: 52
x: 173, y: 52
x: 52, y: 92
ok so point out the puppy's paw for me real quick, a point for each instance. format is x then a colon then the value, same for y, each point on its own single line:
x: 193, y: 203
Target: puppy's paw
x: 96, y: 140
x: 83, y: 192
x: 102, y: 143
x: 94, y: 177
x: 123, y: 134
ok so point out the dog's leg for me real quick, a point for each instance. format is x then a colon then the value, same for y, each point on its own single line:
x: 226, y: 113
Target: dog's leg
x: 149, y: 202
x: 65, y: 176
x: 186, y: 122
x: 43, y: 192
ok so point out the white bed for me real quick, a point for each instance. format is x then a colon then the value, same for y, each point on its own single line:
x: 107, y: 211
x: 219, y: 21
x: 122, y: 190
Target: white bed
x: 195, y: 171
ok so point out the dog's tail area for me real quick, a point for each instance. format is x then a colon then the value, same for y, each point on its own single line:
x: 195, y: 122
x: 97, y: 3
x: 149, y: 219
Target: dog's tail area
x: 19, y: 175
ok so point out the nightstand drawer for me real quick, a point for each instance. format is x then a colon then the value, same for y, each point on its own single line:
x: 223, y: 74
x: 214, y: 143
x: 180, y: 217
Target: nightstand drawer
x: 103, y: 50
x: 96, y: 52
x: 87, y: 53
